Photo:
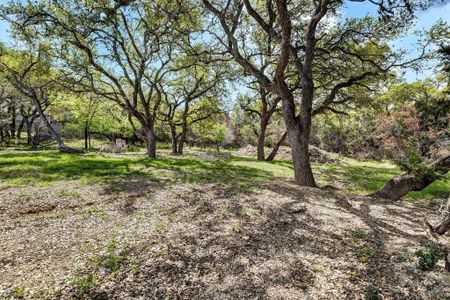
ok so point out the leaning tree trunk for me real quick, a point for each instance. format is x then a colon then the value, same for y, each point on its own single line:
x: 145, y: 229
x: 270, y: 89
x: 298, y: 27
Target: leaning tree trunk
x: 402, y: 184
x: 443, y: 226
x: 61, y: 146
x: 276, y: 147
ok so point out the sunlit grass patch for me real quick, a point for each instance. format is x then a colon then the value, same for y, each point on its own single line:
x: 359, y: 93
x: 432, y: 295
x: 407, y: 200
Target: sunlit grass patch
x: 241, y: 175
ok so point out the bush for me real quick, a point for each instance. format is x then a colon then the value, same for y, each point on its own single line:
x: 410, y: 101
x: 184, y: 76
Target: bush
x: 428, y: 257
x: 372, y: 292
x: 84, y: 283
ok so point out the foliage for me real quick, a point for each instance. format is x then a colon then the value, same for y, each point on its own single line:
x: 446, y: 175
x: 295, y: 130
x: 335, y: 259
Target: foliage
x: 20, y: 292
x: 113, y: 260
x: 81, y: 112
x: 364, y: 254
x: 414, y: 125
x: 372, y: 292
x: 428, y: 257
x: 351, y: 134
x: 84, y: 283
x: 211, y: 131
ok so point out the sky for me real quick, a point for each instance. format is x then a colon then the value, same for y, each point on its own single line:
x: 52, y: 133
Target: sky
x: 352, y: 9
x: 423, y: 21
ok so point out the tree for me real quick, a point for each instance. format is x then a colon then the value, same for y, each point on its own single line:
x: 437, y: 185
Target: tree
x: 325, y: 61
x: 31, y: 75
x: 193, y: 97
x: 211, y: 131
x: 254, y: 113
x: 412, y: 131
x: 402, y: 184
x: 120, y: 51
x: 87, y: 114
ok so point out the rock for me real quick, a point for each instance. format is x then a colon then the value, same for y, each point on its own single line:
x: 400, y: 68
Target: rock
x: 119, y: 146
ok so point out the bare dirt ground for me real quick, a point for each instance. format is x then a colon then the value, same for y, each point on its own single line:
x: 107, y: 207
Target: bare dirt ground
x: 144, y: 240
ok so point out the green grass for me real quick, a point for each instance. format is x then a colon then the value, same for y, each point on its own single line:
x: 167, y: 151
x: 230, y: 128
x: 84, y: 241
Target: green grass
x: 42, y: 168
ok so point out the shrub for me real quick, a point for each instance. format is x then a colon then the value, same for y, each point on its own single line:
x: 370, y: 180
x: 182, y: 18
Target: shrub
x: 372, y: 292
x: 84, y: 282
x: 20, y: 292
x: 428, y: 257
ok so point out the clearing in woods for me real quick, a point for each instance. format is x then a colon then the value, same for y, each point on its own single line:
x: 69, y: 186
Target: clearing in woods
x: 123, y: 226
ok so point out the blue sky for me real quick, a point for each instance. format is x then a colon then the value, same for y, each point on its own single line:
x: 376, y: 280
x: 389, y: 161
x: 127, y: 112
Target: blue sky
x: 424, y: 20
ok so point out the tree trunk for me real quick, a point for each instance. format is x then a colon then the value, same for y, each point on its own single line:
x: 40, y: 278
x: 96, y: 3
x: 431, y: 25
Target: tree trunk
x: 184, y: 128
x: 182, y: 141
x: 444, y: 224
x: 276, y: 147
x: 12, y: 126
x: 300, y: 157
x: 173, y: 133
x: 20, y: 128
x: 150, y: 141
x: 264, y: 120
x: 29, y: 131
x: 86, y: 136
x: 402, y: 184
x: 262, y: 137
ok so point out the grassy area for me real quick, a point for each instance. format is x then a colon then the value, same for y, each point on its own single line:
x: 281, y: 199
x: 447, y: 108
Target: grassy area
x: 243, y: 174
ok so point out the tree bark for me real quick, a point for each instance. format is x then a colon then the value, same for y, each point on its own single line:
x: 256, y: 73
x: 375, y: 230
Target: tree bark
x: 184, y: 128
x: 29, y: 131
x: 12, y: 126
x: 300, y: 156
x: 150, y: 141
x: 173, y: 132
x: 86, y: 136
x: 20, y: 128
x: 182, y: 141
x: 264, y: 120
x: 262, y: 138
x: 276, y: 147
x: 444, y: 224
x: 402, y: 184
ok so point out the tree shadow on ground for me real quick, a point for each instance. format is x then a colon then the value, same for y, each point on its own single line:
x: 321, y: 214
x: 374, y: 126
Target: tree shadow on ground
x: 380, y: 268
x: 46, y: 167
x: 274, y: 243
